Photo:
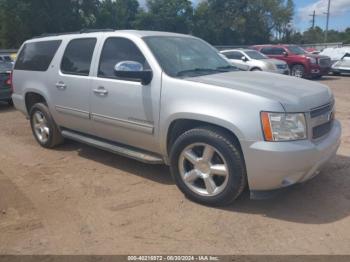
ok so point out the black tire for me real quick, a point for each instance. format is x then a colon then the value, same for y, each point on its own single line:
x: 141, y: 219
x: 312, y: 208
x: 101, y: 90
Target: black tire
x: 10, y: 102
x: 298, y: 71
x: 230, y: 151
x: 336, y: 73
x: 54, y: 138
x: 256, y: 69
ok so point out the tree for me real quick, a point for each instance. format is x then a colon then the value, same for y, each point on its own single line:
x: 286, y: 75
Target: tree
x: 166, y: 15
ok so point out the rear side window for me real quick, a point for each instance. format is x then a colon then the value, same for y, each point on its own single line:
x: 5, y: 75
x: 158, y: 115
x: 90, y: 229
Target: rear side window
x: 267, y: 51
x: 37, y: 56
x: 116, y: 50
x: 234, y: 55
x: 77, y: 56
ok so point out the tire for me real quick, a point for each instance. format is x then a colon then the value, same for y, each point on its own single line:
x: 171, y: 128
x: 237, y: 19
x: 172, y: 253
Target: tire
x: 227, y: 157
x: 336, y: 73
x: 298, y: 71
x: 10, y: 102
x: 50, y: 134
x: 256, y: 69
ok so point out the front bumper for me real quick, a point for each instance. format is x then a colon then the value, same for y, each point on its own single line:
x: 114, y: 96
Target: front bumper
x: 273, y: 165
x: 319, y: 71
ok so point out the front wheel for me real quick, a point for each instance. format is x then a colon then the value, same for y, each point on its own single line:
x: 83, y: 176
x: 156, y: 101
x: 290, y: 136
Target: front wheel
x: 298, y: 71
x: 208, y: 166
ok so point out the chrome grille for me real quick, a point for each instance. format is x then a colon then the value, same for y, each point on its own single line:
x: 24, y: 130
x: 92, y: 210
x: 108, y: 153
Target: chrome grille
x: 322, y: 120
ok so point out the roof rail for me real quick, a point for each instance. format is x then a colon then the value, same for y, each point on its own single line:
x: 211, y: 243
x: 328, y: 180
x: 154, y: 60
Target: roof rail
x: 82, y: 31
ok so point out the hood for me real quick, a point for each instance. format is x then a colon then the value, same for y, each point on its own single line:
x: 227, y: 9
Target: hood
x: 295, y: 95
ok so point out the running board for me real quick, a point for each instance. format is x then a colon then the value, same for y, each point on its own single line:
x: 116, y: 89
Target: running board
x: 144, y: 157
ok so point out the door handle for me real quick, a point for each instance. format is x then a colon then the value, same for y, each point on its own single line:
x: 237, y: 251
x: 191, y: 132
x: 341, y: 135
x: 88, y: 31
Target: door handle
x: 61, y: 85
x: 101, y: 91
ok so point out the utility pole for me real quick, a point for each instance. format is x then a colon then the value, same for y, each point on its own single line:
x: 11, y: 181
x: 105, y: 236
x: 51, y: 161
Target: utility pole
x: 313, y: 19
x: 327, y: 23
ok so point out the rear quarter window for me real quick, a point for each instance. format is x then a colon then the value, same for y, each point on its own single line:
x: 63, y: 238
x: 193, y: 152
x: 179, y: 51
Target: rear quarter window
x: 37, y: 56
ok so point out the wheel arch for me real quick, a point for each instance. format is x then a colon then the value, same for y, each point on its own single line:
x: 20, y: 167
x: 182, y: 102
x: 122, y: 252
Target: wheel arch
x: 32, y: 97
x: 178, y: 126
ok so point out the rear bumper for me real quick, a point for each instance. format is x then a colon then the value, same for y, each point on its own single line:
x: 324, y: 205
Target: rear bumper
x: 273, y: 165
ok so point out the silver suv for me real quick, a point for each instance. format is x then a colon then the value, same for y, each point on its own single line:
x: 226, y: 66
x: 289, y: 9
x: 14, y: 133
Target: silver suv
x: 169, y: 98
x: 252, y: 60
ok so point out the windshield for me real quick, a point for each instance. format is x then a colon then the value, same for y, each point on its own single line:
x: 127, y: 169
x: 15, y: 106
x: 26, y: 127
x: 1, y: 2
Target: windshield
x: 296, y: 50
x: 186, y: 56
x: 255, y: 55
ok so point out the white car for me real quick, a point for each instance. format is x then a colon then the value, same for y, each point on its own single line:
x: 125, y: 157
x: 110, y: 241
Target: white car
x: 252, y: 60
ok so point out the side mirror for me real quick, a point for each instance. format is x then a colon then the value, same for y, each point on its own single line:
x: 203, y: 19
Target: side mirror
x: 285, y: 53
x: 244, y: 59
x: 133, y: 70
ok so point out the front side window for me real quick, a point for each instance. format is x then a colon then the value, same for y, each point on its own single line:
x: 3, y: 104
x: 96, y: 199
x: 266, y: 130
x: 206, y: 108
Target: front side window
x: 37, y: 56
x: 296, y: 50
x: 77, y: 56
x: 116, y: 50
x: 255, y: 55
x: 186, y: 56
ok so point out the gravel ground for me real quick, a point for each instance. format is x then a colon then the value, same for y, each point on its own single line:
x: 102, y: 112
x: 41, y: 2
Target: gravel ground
x: 80, y: 200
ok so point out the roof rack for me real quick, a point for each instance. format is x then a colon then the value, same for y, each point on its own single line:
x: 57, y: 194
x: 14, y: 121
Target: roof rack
x: 82, y: 31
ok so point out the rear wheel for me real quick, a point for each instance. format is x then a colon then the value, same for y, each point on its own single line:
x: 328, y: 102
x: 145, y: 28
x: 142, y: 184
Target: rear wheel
x: 298, y: 71
x: 256, y: 69
x: 44, y: 127
x: 208, y: 166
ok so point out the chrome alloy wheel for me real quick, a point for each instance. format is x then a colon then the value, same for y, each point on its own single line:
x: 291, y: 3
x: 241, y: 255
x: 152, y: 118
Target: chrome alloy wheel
x: 298, y: 71
x: 203, y: 169
x: 41, y: 128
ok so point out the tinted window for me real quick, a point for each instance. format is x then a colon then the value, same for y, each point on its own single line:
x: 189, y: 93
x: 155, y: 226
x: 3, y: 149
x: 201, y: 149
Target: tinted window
x: 116, y: 50
x: 37, y: 56
x: 267, y: 50
x: 278, y: 51
x: 77, y: 57
x: 234, y: 55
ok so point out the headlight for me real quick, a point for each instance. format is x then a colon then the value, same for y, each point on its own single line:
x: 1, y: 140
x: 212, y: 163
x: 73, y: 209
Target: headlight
x: 312, y: 60
x: 283, y: 127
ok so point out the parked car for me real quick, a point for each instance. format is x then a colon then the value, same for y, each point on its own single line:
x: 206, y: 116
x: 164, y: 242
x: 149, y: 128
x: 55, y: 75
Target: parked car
x: 301, y: 63
x: 342, y: 66
x: 5, y: 83
x: 6, y: 59
x: 252, y: 60
x: 169, y: 98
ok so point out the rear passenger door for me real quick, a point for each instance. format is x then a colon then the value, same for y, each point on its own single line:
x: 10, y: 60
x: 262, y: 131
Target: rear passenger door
x: 70, y: 84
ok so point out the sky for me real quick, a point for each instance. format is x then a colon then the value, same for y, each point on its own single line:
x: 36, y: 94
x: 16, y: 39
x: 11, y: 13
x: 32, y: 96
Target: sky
x: 339, y: 19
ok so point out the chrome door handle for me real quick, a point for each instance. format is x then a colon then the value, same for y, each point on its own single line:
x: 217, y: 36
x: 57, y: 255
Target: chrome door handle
x: 101, y: 91
x: 61, y: 85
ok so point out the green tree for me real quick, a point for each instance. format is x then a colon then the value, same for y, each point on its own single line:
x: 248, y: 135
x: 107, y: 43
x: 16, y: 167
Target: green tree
x: 166, y: 15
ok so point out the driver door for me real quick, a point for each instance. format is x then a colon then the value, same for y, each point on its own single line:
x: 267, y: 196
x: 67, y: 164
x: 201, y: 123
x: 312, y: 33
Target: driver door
x: 124, y: 110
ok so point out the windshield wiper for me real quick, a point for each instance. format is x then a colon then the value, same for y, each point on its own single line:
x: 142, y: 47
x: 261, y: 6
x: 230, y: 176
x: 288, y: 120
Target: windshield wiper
x: 197, y: 70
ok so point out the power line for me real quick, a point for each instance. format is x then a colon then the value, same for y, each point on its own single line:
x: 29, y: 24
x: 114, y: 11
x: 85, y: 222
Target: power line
x: 313, y: 19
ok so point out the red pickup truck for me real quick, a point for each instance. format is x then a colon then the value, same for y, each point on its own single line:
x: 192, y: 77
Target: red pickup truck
x: 301, y: 63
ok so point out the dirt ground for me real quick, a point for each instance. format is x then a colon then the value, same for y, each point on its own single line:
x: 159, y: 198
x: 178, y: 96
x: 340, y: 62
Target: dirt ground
x: 80, y: 200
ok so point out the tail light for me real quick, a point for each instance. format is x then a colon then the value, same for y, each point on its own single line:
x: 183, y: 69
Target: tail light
x: 9, y: 81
